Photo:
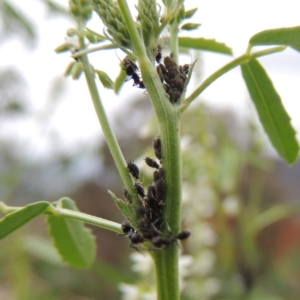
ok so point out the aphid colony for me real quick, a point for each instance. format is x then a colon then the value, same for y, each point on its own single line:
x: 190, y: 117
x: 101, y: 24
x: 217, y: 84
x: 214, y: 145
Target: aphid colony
x: 149, y: 211
x: 172, y: 76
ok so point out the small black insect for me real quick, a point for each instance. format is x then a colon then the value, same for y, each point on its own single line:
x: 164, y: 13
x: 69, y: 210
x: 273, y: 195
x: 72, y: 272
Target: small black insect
x: 158, y: 56
x: 130, y: 67
x: 133, y: 169
x: 141, y: 85
x: 136, y: 79
x: 157, y: 148
x: 160, y: 188
x: 135, y: 239
x: 159, y: 241
x: 127, y: 195
x: 139, y: 189
x: 151, y: 163
x: 126, y: 227
x: 184, y: 234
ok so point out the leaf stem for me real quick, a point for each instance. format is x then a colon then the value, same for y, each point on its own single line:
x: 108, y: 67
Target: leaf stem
x: 86, y: 218
x: 223, y: 70
x: 106, y: 128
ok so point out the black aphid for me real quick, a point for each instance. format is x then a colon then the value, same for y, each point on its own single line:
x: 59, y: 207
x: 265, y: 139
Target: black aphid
x: 139, y: 189
x: 158, y: 56
x: 126, y: 227
x: 184, y: 234
x: 157, y: 174
x: 130, y: 67
x: 141, y: 85
x: 159, y: 241
x: 127, y: 195
x: 157, y: 148
x: 160, y: 188
x: 136, y: 79
x: 151, y: 163
x: 133, y: 169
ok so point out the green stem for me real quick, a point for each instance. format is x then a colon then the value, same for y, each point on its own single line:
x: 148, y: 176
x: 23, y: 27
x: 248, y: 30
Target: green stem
x: 106, y: 128
x: 226, y: 68
x: 89, y: 219
x: 72, y: 214
x: 166, y: 260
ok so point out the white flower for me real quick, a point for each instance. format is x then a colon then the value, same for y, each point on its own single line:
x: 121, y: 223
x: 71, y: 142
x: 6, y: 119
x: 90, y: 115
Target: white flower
x: 149, y: 296
x: 130, y: 291
x: 141, y: 263
x: 231, y: 205
x: 204, y: 263
x: 212, y: 286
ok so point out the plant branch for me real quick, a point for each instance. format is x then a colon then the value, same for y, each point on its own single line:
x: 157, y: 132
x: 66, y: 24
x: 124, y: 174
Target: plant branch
x: 226, y: 68
x: 86, y: 218
x: 106, y: 128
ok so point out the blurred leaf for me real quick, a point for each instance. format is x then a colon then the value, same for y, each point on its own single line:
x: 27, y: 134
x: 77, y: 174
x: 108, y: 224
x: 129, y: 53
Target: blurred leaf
x: 97, y: 36
x: 55, y: 9
x: 74, y: 242
x: 189, y: 13
x: 20, y: 217
x: 204, y: 44
x: 274, y: 214
x: 105, y: 79
x: 14, y: 22
x: 281, y: 36
x: 120, y: 80
x: 190, y: 26
x: 272, y: 114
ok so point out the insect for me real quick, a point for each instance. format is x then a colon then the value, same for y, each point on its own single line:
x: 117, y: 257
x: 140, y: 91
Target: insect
x: 151, y: 163
x: 139, y: 189
x: 157, y: 148
x: 158, y: 56
x: 133, y: 169
x: 184, y: 234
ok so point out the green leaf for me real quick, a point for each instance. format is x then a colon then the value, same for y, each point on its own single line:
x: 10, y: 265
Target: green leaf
x: 20, y: 217
x: 281, y: 36
x: 126, y: 208
x: 272, y: 114
x: 189, y: 13
x: 74, y: 242
x: 204, y: 44
x: 105, y: 79
x: 190, y: 26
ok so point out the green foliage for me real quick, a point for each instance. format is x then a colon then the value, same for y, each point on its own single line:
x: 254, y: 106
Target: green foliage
x: 74, y: 242
x: 272, y: 114
x: 204, y: 44
x: 280, y: 36
x: 18, y: 218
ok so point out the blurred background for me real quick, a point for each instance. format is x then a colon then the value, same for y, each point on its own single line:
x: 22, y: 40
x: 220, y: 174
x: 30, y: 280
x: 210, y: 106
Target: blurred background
x: 241, y: 201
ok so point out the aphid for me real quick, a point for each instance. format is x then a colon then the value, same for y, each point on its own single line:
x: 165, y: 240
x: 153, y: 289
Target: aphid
x: 151, y: 163
x: 136, y: 79
x: 151, y: 191
x: 126, y: 227
x: 185, y: 69
x: 160, y: 188
x: 158, y: 56
x: 184, y: 234
x: 159, y: 241
x: 130, y: 67
x: 127, y: 195
x: 157, y: 148
x: 135, y: 238
x: 141, y: 85
x: 133, y: 169
x: 139, y: 189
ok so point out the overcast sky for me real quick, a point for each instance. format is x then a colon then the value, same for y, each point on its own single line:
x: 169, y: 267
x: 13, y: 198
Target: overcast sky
x: 232, y: 22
